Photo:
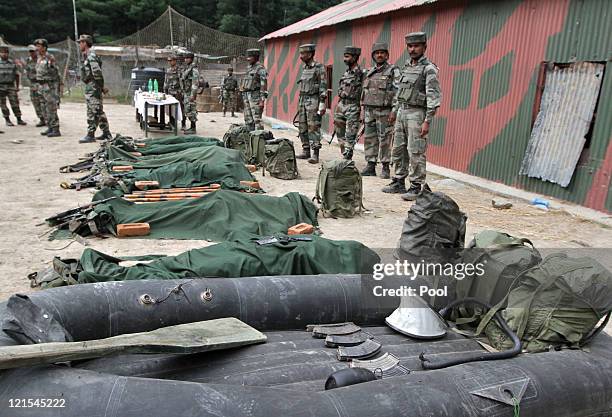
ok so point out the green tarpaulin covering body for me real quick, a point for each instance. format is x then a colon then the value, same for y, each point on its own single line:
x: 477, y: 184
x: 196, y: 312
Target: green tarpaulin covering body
x: 198, y: 154
x: 216, y: 216
x: 191, y: 174
x: 169, y: 144
x: 238, y: 259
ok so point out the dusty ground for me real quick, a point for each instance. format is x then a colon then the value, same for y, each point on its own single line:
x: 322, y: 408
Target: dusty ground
x: 29, y: 183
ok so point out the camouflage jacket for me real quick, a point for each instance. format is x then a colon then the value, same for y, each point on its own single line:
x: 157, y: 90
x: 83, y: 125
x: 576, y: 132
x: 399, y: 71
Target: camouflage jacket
x: 351, y: 84
x: 255, y: 80
x: 172, y: 80
x: 46, y: 69
x: 230, y: 83
x: 313, y: 81
x: 419, y: 87
x: 91, y: 73
x: 380, y: 85
x: 8, y: 72
x: 30, y: 69
x: 190, y: 79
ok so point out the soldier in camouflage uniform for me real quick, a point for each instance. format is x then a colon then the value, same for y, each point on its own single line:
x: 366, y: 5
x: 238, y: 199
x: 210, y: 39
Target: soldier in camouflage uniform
x: 228, y: 91
x: 190, y: 78
x: 379, y: 88
x: 47, y: 75
x: 172, y: 83
x: 416, y: 102
x: 348, y: 111
x: 254, y: 89
x: 34, y: 94
x: 9, y: 86
x: 311, y: 104
x: 93, y: 79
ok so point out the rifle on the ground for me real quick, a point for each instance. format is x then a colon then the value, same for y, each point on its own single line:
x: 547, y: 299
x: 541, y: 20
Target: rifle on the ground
x: 66, y: 216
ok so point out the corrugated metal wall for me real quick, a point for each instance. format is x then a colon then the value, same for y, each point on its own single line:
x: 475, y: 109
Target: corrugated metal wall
x: 489, y: 54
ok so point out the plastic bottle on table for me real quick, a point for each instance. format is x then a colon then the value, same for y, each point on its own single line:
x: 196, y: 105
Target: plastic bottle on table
x: 150, y: 85
x: 155, y: 86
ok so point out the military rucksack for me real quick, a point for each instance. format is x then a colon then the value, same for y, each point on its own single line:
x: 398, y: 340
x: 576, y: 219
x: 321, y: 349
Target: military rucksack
x: 280, y: 159
x: 434, y: 229
x: 339, y: 188
x: 500, y: 259
x: 555, y: 304
x: 256, y: 146
x: 237, y: 137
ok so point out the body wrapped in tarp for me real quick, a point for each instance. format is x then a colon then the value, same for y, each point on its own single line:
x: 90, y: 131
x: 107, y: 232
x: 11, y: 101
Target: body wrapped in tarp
x: 169, y: 144
x: 191, y: 174
x: 199, y: 154
x: 241, y: 258
x: 217, y: 216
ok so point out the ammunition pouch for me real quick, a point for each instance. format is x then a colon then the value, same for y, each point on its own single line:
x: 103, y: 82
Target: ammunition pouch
x: 309, y: 83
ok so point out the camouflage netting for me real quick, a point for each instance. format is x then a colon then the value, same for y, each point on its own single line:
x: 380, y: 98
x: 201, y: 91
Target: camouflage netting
x: 172, y: 29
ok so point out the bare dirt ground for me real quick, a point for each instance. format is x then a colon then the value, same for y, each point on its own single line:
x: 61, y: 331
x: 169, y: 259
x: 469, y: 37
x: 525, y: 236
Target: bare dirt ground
x: 29, y: 184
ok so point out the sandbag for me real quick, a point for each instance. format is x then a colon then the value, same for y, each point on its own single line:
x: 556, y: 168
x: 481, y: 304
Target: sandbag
x: 434, y: 229
x: 280, y: 159
x: 339, y: 188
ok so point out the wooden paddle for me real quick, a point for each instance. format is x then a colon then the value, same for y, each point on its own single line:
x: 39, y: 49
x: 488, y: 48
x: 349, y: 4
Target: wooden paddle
x: 202, y: 336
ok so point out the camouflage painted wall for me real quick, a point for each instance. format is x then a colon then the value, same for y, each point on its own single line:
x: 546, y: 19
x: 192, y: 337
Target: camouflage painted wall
x: 489, y: 54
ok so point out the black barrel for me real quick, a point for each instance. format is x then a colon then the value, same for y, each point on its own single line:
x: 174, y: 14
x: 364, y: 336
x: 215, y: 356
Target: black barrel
x: 141, y: 77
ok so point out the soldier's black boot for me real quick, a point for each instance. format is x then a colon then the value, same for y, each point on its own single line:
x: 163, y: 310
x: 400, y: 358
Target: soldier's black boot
x: 315, y: 157
x: 182, y: 125
x: 21, y: 122
x: 413, y: 192
x: 385, y: 173
x: 54, y: 133
x: 192, y: 129
x: 8, y: 122
x: 89, y: 138
x: 41, y: 123
x: 369, y: 170
x: 223, y: 113
x: 305, y: 154
x: 397, y: 186
x: 106, y: 135
x: 233, y: 114
x: 45, y: 132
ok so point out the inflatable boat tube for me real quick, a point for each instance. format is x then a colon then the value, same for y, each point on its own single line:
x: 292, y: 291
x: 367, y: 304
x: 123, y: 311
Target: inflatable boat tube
x: 286, y: 375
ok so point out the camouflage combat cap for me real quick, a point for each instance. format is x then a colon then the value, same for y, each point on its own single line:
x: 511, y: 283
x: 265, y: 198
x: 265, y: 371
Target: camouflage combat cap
x: 4, y: 48
x: 380, y: 46
x: 308, y: 47
x: 171, y: 57
x: 253, y: 52
x: 41, y: 41
x: 416, y: 37
x: 31, y: 48
x: 86, y: 38
x: 230, y: 69
x: 188, y: 54
x: 353, y: 50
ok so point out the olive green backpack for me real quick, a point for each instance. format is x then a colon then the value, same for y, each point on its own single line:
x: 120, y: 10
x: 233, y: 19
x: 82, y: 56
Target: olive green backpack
x: 237, y: 137
x: 555, y: 304
x: 339, y: 189
x: 256, y: 146
x: 280, y: 159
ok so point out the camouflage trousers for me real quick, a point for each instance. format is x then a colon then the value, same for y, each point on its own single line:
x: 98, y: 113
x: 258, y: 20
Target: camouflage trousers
x: 229, y: 100
x: 179, y: 96
x: 9, y: 91
x: 409, y: 147
x: 309, y: 122
x: 49, y: 100
x: 378, y: 134
x: 346, y: 121
x: 37, y: 101
x: 252, y: 110
x: 95, y: 113
x: 190, y: 109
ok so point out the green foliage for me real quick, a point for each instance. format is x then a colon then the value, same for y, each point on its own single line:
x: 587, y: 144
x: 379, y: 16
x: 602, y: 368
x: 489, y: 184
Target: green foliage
x: 22, y: 22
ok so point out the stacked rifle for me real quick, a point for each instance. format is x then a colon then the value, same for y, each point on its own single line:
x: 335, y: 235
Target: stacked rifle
x: 170, y: 194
